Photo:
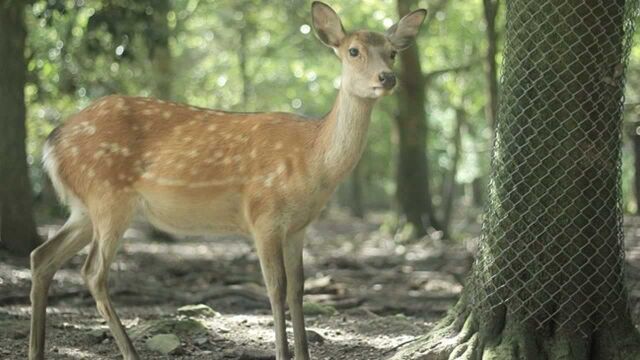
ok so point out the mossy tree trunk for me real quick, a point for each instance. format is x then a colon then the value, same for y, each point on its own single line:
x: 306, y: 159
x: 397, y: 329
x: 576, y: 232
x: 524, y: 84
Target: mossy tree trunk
x: 548, y: 282
x: 17, y: 227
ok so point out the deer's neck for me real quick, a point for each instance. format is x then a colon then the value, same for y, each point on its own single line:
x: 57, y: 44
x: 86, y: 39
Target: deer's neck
x: 343, y: 135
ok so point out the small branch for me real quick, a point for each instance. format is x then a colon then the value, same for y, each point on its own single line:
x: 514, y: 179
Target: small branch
x: 454, y: 69
x: 401, y: 345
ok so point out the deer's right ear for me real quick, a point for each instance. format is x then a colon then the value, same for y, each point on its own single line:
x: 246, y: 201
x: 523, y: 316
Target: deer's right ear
x: 326, y: 24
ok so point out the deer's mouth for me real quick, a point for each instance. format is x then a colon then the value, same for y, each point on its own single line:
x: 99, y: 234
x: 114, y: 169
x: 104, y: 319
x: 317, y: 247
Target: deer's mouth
x: 381, y: 90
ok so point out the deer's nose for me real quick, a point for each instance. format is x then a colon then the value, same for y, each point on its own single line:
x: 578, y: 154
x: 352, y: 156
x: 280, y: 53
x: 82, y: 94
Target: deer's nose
x: 387, y: 79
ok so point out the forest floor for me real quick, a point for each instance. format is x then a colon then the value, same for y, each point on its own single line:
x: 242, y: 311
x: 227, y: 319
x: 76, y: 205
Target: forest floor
x: 366, y: 294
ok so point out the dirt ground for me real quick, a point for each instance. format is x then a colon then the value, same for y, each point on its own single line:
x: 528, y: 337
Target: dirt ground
x: 375, y: 292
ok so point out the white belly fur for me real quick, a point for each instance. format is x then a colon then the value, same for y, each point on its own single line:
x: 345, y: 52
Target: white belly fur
x: 186, y: 216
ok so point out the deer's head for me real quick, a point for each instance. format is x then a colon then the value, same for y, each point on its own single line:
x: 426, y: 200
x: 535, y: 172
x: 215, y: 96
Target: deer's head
x: 367, y: 56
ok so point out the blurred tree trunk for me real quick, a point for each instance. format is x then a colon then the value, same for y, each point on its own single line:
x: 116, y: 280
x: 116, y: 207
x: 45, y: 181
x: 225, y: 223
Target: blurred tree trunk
x: 17, y: 227
x: 159, y: 51
x: 477, y: 191
x: 412, y: 183
x: 491, y: 8
x: 162, y: 63
x: 548, y: 281
x: 635, y: 137
x: 449, y: 185
x: 242, y: 63
x: 490, y: 12
x: 356, y: 204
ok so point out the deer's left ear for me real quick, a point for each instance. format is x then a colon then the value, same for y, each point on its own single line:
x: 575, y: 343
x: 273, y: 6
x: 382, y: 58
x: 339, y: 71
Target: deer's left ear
x: 404, y: 32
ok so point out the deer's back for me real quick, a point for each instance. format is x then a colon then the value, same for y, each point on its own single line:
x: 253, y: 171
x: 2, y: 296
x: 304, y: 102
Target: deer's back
x: 172, y: 154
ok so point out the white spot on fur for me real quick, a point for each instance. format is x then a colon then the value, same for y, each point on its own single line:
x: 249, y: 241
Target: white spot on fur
x: 192, y: 154
x: 212, y: 127
x: 278, y: 145
x: 166, y: 114
x: 170, y: 182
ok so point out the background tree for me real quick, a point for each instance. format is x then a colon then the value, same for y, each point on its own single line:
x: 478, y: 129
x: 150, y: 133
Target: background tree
x: 17, y: 228
x: 548, y: 280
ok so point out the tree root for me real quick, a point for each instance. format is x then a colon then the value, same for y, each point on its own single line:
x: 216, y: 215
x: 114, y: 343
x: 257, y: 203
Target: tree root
x: 462, y: 336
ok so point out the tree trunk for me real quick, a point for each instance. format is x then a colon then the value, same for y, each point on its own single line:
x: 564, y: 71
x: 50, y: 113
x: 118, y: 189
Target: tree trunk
x: 635, y: 137
x: 160, y: 54
x: 355, y: 204
x: 490, y: 13
x: 548, y: 282
x: 477, y: 192
x: 412, y: 183
x: 162, y: 63
x: 17, y: 227
x: 242, y: 64
x: 449, y: 193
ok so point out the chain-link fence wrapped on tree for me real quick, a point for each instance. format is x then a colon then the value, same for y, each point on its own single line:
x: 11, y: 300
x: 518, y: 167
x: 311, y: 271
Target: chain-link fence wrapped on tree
x: 548, y: 281
x: 552, y: 245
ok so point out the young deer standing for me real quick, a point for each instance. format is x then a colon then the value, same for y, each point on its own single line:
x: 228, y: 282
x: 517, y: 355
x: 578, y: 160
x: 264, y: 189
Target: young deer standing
x: 200, y: 171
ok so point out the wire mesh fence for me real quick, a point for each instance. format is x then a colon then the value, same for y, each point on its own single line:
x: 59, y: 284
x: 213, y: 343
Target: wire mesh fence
x: 552, y: 243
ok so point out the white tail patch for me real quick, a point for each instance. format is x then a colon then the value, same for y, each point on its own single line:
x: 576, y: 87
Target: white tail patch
x: 50, y: 164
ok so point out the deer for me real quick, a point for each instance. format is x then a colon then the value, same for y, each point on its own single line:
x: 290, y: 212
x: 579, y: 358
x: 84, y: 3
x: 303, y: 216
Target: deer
x: 199, y: 171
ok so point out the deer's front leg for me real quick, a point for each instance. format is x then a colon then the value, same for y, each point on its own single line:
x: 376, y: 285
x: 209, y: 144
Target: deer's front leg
x: 269, y: 246
x: 295, y: 289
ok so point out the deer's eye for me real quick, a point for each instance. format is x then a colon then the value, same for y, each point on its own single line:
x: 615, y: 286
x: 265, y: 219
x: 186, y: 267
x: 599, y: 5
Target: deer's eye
x: 354, y: 52
x: 393, y: 55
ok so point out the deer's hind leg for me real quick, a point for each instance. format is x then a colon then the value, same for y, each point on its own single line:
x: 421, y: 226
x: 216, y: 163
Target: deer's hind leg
x: 74, y: 235
x: 110, y: 218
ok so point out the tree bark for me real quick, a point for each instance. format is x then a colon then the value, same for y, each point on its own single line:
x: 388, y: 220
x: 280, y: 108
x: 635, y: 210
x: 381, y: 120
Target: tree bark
x: 548, y: 282
x: 412, y: 178
x: 17, y: 227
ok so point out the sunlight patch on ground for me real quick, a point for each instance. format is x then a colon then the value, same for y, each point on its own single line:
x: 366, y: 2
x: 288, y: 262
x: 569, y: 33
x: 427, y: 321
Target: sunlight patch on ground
x: 74, y: 353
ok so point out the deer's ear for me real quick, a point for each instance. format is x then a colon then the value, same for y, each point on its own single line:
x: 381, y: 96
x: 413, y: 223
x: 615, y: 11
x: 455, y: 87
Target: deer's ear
x: 326, y: 24
x: 405, y: 31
